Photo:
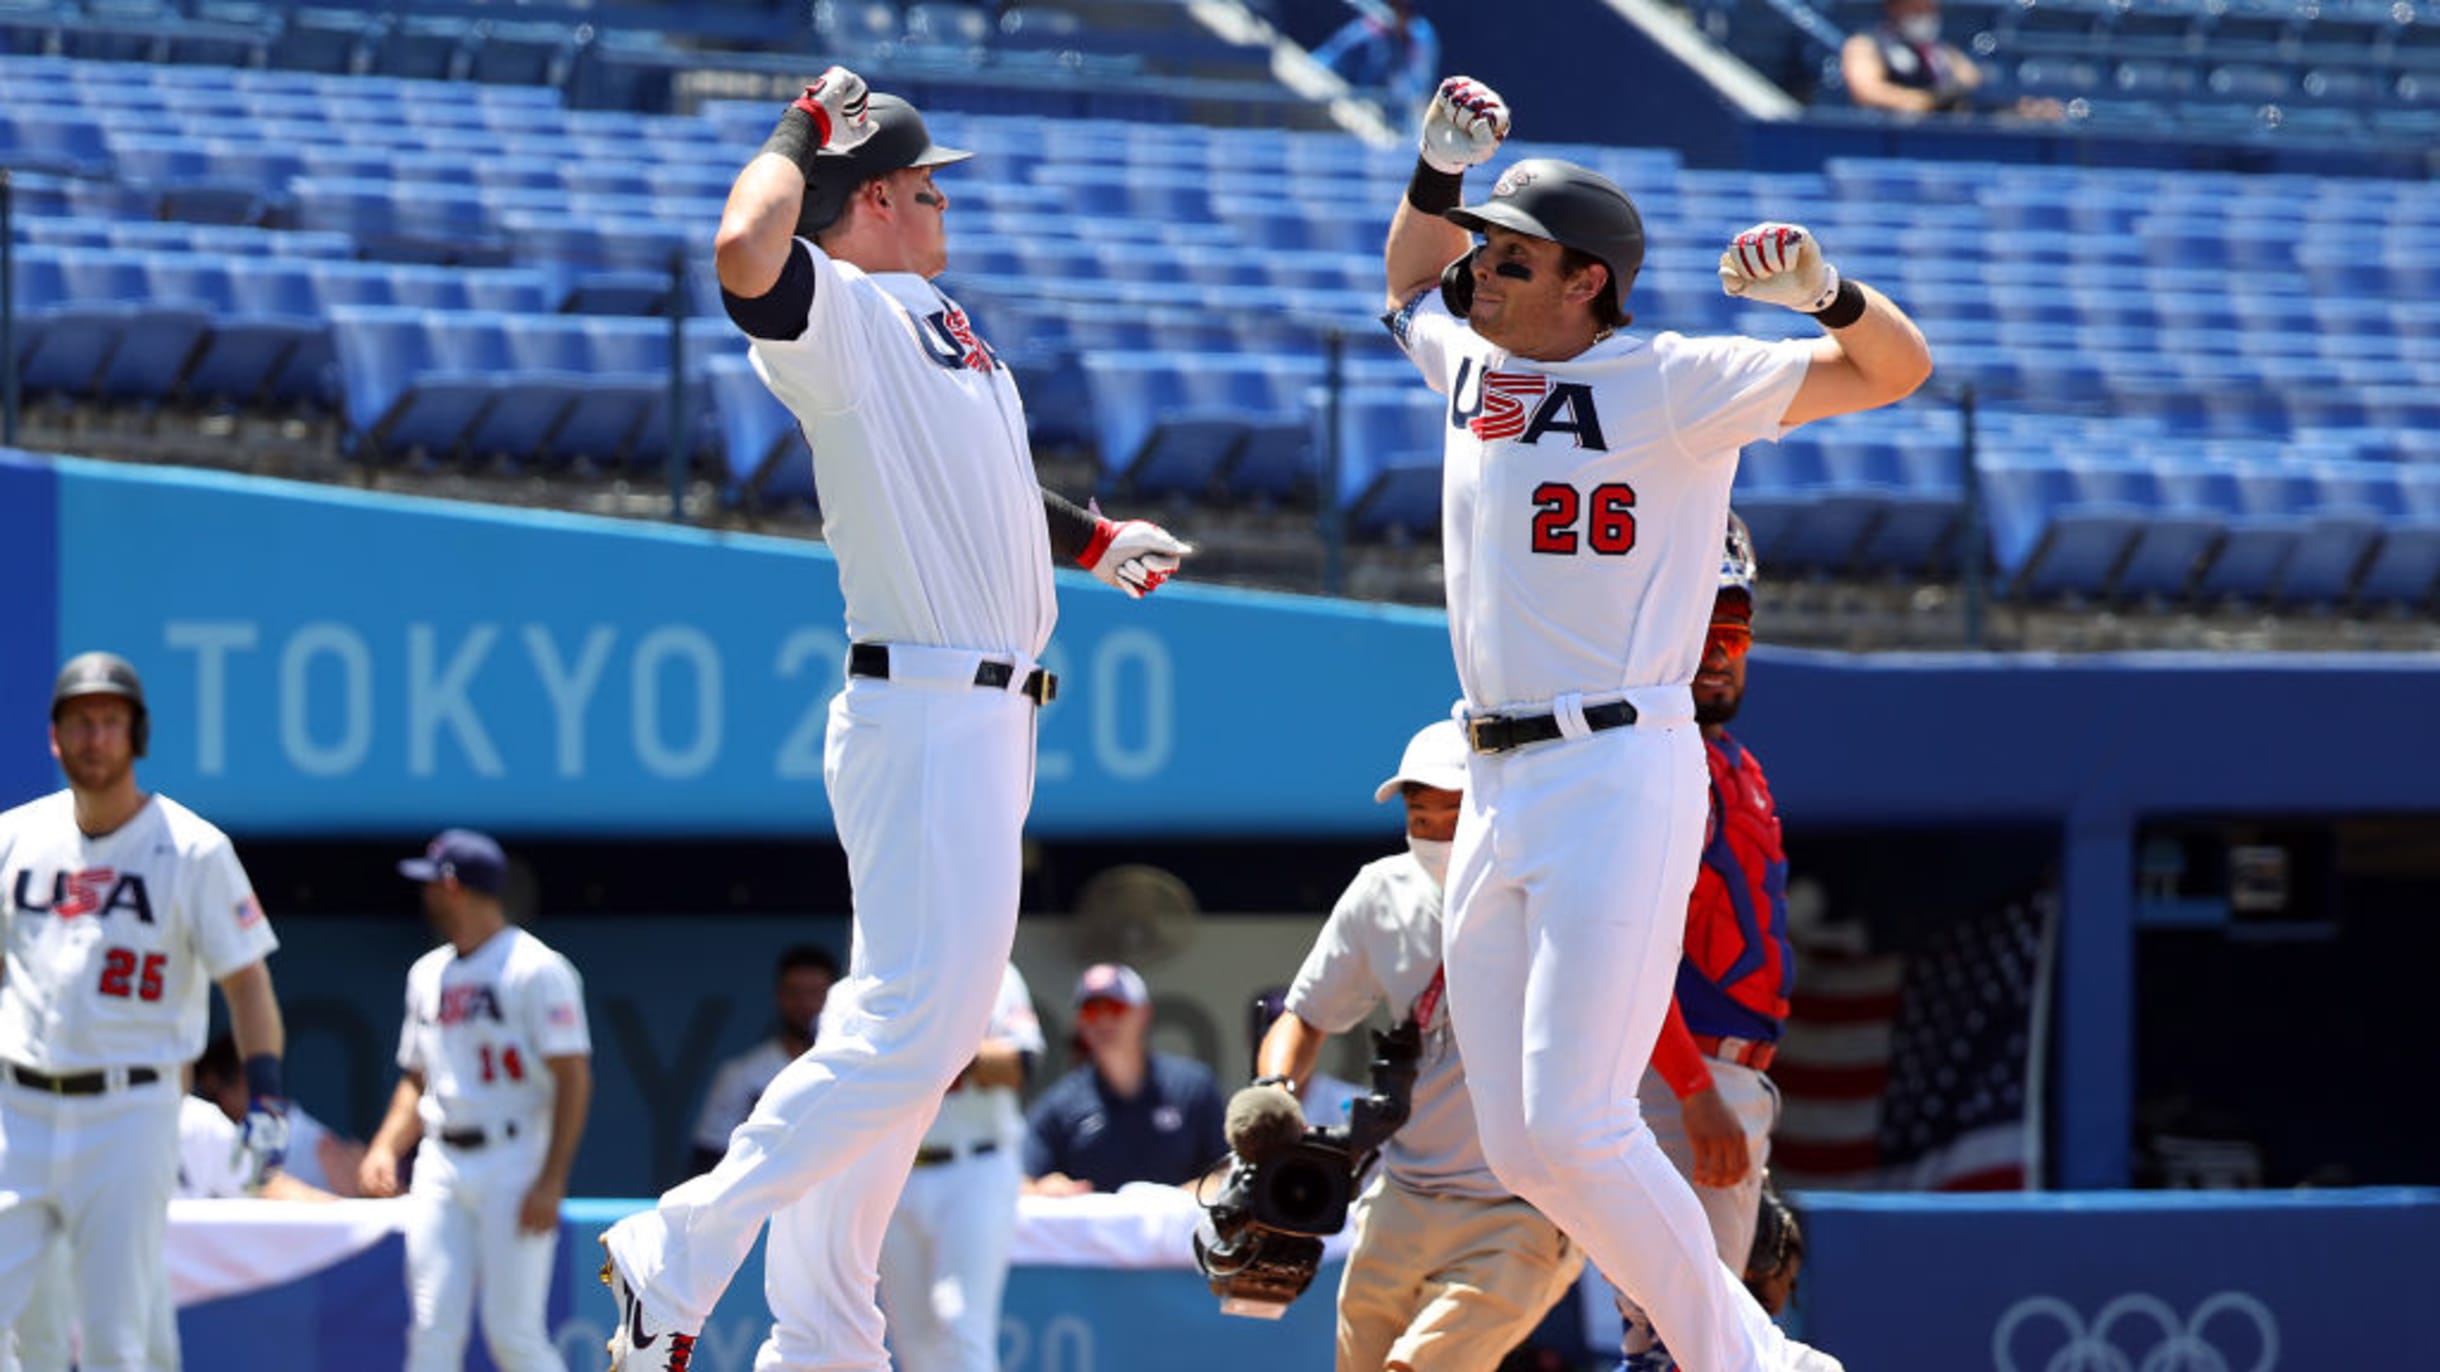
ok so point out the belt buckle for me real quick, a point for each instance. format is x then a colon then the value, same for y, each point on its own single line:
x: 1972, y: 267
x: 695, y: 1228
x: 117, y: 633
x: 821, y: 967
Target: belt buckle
x: 1042, y: 687
x: 1476, y: 727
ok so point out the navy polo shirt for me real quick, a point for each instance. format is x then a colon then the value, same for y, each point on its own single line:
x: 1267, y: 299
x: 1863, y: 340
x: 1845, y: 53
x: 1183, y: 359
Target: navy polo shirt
x: 1168, y: 1132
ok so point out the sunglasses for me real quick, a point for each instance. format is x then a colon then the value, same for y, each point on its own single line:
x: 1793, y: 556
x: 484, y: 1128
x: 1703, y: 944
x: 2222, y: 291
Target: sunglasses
x: 1729, y: 638
x: 1098, y: 1011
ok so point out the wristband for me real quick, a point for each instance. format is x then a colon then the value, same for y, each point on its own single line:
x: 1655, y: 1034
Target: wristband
x: 797, y: 138
x: 1432, y: 190
x: 1844, y: 308
x: 1104, y: 530
x: 263, y: 1078
x: 1287, y: 1084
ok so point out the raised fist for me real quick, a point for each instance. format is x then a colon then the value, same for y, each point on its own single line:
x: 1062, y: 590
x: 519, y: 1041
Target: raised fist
x: 1463, y: 125
x: 1780, y: 264
x: 836, y: 100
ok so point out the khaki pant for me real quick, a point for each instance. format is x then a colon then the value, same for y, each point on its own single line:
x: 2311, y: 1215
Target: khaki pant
x: 1447, y: 1283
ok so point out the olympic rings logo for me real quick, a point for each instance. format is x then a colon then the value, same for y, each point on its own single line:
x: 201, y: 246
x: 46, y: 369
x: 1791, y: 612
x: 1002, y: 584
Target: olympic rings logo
x: 2138, y: 1332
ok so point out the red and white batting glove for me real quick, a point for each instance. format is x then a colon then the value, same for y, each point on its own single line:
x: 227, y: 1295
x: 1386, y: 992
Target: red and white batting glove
x: 1134, y: 555
x: 1780, y: 264
x: 836, y: 100
x: 1463, y: 125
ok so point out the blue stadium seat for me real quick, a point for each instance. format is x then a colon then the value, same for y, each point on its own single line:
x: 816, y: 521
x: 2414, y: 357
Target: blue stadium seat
x: 63, y: 143
x: 397, y: 393
x: 1385, y: 434
x: 1186, y: 454
x: 767, y: 461
x: 2175, y: 539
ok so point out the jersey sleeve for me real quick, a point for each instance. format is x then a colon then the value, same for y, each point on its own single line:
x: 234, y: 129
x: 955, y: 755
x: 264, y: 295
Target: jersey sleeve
x: 1427, y: 333
x: 229, y: 928
x: 554, y: 1009
x: 1676, y: 1058
x: 825, y: 365
x: 1013, y: 1018
x: 1724, y: 393
x: 410, y: 1054
x: 1336, y: 988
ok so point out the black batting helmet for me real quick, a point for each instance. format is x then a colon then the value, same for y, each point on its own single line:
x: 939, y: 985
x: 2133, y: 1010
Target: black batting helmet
x: 104, y: 674
x: 1571, y: 206
x: 899, y: 140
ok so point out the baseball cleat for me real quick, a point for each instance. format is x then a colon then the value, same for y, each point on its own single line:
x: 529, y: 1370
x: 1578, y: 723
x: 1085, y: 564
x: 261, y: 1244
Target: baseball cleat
x: 634, y: 1345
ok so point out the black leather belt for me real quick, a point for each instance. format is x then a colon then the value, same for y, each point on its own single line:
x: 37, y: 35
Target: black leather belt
x: 1499, y: 733
x: 934, y: 1157
x: 476, y: 1138
x: 77, y: 1083
x: 873, y: 660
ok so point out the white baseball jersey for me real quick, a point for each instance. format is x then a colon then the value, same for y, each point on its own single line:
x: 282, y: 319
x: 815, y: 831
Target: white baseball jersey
x: 1582, y: 501
x: 479, y: 1027
x: 210, y: 1163
x: 113, y: 941
x: 976, y: 1114
x: 921, y: 462
x: 1382, y: 944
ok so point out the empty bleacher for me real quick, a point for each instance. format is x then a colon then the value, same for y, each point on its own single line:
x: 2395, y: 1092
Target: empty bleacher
x: 2188, y: 385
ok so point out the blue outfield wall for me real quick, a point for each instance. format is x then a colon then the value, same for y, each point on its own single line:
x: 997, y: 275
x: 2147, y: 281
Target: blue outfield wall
x: 321, y: 661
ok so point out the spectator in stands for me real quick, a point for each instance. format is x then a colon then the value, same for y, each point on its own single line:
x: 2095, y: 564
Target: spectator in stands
x: 1389, y: 52
x: 800, y: 986
x: 1125, y: 1114
x: 1903, y: 66
x: 323, y: 1160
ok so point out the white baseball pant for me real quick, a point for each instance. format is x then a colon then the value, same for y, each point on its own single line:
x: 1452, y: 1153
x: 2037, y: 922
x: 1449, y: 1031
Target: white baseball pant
x: 463, y: 1244
x: 44, y: 1339
x: 929, y: 782
x: 95, y: 1173
x: 1568, y: 887
x: 1731, y: 1210
x: 944, y: 1263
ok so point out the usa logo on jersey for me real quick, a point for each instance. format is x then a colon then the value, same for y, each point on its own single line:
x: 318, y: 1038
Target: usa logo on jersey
x: 1524, y: 406
x: 93, y: 891
x: 949, y: 340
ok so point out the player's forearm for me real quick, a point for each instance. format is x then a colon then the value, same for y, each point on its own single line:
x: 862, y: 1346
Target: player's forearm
x: 254, y: 1012
x: 1421, y: 243
x: 570, y: 1103
x: 1886, y: 348
x: 1291, y: 1048
x: 759, y: 225
x: 401, y: 1127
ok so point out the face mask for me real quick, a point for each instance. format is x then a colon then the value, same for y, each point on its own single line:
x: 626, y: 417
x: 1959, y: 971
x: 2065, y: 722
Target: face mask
x: 1920, y: 28
x: 1433, y: 854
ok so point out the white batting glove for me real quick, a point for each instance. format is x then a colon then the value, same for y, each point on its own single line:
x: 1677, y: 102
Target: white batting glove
x: 837, y: 102
x: 1463, y: 125
x: 262, y: 1141
x: 1780, y: 264
x: 1134, y: 555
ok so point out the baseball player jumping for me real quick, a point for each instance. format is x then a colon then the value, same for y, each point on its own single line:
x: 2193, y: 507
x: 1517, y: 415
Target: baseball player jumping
x: 495, y: 1077
x: 1586, y: 482
x: 118, y: 908
x: 944, y: 543
x: 1706, y: 1098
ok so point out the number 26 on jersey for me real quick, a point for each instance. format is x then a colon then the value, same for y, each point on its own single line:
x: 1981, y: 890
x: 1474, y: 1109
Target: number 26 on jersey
x: 1567, y: 519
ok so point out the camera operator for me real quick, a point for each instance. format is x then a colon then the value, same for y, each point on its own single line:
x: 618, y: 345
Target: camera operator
x: 1449, y: 1271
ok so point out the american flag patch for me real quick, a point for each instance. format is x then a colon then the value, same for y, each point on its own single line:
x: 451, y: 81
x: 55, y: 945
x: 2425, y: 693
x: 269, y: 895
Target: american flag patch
x: 563, y: 1015
x: 249, y: 911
